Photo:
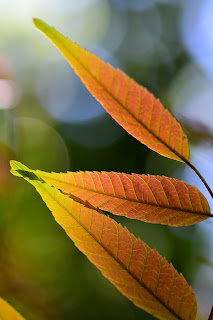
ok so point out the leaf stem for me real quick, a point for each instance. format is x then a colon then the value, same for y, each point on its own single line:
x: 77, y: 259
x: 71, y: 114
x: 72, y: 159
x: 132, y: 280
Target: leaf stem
x: 200, y: 176
x: 211, y: 314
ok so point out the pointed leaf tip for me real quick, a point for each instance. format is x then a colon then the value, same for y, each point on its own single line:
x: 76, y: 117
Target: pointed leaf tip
x: 18, y: 169
x: 14, y: 168
x: 13, y: 164
x: 44, y: 27
x: 41, y: 25
x: 16, y: 165
x: 37, y: 22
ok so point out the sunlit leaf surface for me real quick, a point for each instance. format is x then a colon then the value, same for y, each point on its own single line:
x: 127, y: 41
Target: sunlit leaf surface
x: 131, y: 105
x: 153, y: 199
x: 137, y: 271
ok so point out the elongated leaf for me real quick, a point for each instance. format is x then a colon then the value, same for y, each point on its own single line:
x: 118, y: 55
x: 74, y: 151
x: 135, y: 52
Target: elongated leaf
x: 131, y: 105
x: 152, y: 199
x: 139, y: 272
x: 7, y: 312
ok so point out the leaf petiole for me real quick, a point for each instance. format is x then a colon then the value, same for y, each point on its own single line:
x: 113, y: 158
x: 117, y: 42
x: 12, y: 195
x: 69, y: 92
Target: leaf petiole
x: 200, y: 176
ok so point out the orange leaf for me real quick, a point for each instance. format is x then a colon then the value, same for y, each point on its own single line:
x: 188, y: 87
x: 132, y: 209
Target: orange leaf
x: 152, y: 199
x: 138, y: 272
x: 131, y: 105
x: 7, y: 312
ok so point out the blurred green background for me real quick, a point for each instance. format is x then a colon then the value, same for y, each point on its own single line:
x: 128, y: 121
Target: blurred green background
x: 49, y: 121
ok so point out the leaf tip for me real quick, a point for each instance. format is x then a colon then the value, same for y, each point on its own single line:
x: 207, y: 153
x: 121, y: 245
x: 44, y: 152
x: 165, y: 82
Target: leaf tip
x: 37, y: 22
x: 18, y: 169
x: 40, y: 24
x: 15, y: 165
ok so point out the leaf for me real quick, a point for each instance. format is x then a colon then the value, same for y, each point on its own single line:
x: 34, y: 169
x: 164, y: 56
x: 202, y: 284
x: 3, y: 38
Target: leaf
x: 131, y: 105
x: 7, y: 312
x: 153, y: 199
x: 137, y: 271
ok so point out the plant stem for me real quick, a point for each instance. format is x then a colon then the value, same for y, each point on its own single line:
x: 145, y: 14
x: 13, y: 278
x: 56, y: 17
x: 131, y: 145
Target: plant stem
x: 211, y: 314
x: 200, y: 176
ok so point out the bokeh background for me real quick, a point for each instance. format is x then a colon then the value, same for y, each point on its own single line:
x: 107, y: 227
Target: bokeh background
x: 49, y: 121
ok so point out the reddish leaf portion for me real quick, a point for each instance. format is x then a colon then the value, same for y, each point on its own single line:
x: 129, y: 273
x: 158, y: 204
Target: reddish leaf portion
x: 139, y: 272
x: 7, y: 312
x: 131, y: 105
x: 153, y: 199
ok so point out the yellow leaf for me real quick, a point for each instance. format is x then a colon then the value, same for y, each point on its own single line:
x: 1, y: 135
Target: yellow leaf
x: 131, y: 105
x: 137, y: 271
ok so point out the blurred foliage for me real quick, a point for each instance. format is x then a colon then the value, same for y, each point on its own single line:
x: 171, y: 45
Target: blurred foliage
x: 48, y: 122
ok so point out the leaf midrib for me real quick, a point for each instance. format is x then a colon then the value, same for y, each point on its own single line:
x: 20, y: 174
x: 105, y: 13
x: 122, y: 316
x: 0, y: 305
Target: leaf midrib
x: 128, y: 199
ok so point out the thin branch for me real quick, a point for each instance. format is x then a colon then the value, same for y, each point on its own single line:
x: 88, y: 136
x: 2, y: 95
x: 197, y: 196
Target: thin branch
x: 200, y: 176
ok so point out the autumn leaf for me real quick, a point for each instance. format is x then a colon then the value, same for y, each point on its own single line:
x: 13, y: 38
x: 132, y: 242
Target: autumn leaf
x: 7, y: 312
x: 153, y: 199
x: 137, y: 271
x: 131, y: 105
